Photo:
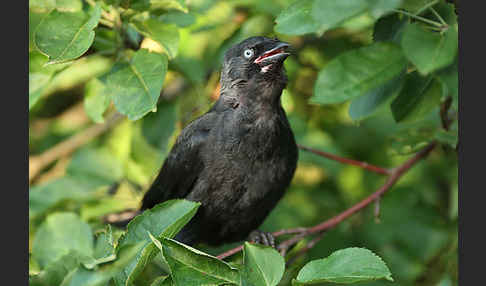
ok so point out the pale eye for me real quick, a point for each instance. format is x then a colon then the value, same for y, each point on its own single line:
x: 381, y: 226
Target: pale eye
x: 248, y: 53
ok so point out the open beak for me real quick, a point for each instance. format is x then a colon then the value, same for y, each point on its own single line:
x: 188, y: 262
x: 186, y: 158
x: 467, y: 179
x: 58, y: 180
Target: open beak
x: 277, y: 53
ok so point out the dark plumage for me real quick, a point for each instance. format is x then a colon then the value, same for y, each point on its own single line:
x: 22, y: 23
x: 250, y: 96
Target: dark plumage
x: 239, y: 157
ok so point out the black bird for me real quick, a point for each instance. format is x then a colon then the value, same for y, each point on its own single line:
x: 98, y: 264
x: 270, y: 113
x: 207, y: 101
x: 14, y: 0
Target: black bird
x: 239, y: 157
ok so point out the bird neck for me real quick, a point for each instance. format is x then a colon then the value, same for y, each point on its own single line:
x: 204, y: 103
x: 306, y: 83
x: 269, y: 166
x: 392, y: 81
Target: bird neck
x: 253, y: 93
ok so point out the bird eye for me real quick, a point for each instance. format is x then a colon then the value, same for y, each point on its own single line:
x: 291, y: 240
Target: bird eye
x: 248, y: 53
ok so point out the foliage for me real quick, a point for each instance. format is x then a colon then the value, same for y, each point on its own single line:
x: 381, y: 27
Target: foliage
x: 368, y: 80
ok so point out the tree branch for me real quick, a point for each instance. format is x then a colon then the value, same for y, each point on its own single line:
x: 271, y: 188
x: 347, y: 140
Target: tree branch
x: 39, y: 162
x: 360, y: 164
x: 300, y: 233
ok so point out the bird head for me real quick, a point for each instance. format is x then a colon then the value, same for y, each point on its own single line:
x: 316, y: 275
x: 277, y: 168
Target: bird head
x: 257, y: 59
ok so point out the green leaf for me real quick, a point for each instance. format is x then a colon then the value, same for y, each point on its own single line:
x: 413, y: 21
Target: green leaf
x: 417, y: 98
x: 389, y: 29
x: 42, y: 5
x: 356, y: 72
x: 143, y: 5
x: 449, y: 77
x: 381, y: 7
x: 45, y: 196
x: 162, y: 281
x: 78, y: 72
x: 99, y: 277
x: 366, y: 105
x: 330, y: 14
x: 65, y: 36
x: 95, y: 167
x: 105, y: 245
x: 345, y: 266
x: 105, y: 40
x: 59, y: 234
x: 447, y: 137
x: 39, y: 77
x: 135, y: 86
x: 165, y: 219
x: 309, y: 16
x: 297, y: 19
x: 37, y: 84
x: 169, y: 4
x: 179, y: 18
x: 167, y: 35
x: 157, y: 127
x: 415, y: 5
x: 96, y: 101
x: 429, y: 50
x: 35, y: 18
x: 55, y: 272
x: 189, y: 266
x: 262, y: 265
x: 60, y: 5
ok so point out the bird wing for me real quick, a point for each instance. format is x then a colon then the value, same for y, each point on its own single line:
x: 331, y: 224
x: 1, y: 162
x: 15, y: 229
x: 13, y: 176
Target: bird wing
x: 183, y: 165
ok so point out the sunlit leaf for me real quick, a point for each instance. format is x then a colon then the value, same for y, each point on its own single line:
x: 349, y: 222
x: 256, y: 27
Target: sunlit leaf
x: 65, y: 36
x: 345, y: 266
x: 192, y: 267
x: 165, y: 219
x: 263, y: 265
x: 135, y: 86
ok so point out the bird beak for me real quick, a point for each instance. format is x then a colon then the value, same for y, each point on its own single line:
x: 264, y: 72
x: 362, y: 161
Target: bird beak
x: 276, y: 53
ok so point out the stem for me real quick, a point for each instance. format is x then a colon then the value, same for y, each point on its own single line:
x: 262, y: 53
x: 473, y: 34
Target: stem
x: 438, y: 16
x: 360, y: 164
x: 425, y: 20
x: 426, y: 7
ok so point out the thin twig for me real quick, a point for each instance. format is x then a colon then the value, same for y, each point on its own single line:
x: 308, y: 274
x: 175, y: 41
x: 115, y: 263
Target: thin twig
x: 426, y: 7
x: 438, y: 16
x: 360, y: 164
x: 425, y: 20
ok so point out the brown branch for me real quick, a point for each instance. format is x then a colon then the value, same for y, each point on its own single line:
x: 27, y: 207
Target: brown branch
x: 360, y: 164
x: 39, y: 162
x: 444, y: 108
x: 395, y: 174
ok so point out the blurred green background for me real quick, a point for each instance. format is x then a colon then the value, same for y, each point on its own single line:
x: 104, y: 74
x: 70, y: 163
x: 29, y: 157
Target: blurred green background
x: 416, y: 233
